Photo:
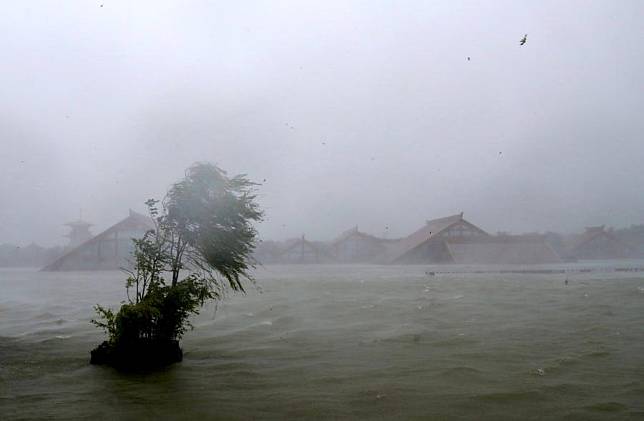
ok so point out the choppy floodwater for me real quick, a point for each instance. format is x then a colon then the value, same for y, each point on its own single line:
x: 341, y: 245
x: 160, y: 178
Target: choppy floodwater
x: 341, y: 342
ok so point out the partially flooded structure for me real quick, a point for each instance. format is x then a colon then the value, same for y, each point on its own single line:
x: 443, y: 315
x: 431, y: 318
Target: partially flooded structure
x: 111, y: 249
x: 634, y: 237
x: 32, y: 255
x: 599, y: 243
x: 302, y: 251
x: 428, y: 244
x: 355, y: 246
x: 453, y: 239
x: 502, y: 250
x: 78, y: 232
x: 268, y: 251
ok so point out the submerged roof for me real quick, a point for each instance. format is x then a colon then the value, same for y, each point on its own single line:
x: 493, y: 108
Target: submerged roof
x: 613, y: 247
x: 134, y: 221
x: 322, y: 256
x: 430, y: 230
x: 592, y: 233
x: 504, y: 249
x: 355, y: 232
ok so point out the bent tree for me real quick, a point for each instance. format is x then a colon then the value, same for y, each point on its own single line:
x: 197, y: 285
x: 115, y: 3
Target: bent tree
x: 199, y: 248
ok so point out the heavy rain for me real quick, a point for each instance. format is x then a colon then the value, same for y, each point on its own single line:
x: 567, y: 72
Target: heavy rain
x: 321, y: 210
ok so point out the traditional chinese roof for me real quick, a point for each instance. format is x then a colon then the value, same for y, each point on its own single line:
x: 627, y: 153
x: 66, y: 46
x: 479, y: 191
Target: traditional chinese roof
x: 614, y: 247
x: 432, y: 229
x: 354, y: 232
x: 504, y: 249
x: 134, y: 221
x: 318, y: 250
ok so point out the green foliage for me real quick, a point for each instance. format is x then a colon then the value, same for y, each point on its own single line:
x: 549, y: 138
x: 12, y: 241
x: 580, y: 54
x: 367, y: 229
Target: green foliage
x: 162, y: 314
x: 107, y: 321
x: 204, y: 231
x: 212, y: 216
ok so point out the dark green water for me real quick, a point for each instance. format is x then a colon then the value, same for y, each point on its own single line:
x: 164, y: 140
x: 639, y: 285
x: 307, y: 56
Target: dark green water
x: 341, y: 342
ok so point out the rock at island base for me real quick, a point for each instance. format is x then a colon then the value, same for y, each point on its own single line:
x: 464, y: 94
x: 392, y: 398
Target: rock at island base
x: 140, y: 355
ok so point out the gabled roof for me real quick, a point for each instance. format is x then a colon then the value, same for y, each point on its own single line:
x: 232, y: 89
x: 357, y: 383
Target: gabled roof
x: 592, y: 233
x: 134, y: 221
x: 430, y: 230
x: 317, y: 248
x: 354, y: 232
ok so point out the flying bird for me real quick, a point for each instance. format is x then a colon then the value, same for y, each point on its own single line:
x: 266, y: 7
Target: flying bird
x: 524, y: 39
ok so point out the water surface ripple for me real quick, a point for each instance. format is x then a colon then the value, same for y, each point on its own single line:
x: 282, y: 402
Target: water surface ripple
x: 348, y: 342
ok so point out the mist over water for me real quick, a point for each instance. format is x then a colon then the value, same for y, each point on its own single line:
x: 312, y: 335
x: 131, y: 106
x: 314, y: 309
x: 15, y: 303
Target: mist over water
x: 365, y: 122
x: 365, y: 113
x: 341, y: 341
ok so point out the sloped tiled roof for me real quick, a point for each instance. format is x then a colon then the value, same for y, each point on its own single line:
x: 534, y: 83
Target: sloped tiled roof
x: 431, y: 229
x: 502, y: 250
x: 590, y: 234
x: 351, y: 232
x: 132, y: 222
x: 619, y: 248
x: 318, y: 248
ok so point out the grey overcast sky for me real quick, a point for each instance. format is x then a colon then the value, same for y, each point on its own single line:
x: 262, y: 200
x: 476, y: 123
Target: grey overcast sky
x: 355, y: 112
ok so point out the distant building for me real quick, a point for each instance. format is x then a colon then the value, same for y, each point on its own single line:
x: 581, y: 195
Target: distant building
x: 302, y: 251
x: 32, y: 255
x: 428, y: 244
x: 598, y: 243
x: 560, y: 244
x: 634, y: 237
x: 455, y: 240
x: 354, y: 246
x: 79, y: 233
x: 502, y: 250
x: 267, y: 252
x: 111, y: 249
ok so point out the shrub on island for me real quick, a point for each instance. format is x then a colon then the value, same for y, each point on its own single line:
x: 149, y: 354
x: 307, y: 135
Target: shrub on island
x: 200, y: 248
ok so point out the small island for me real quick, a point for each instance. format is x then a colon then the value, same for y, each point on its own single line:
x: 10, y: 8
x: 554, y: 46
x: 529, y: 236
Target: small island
x: 200, y: 246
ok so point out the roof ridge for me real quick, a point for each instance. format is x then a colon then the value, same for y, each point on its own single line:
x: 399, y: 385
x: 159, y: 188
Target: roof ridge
x: 445, y: 218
